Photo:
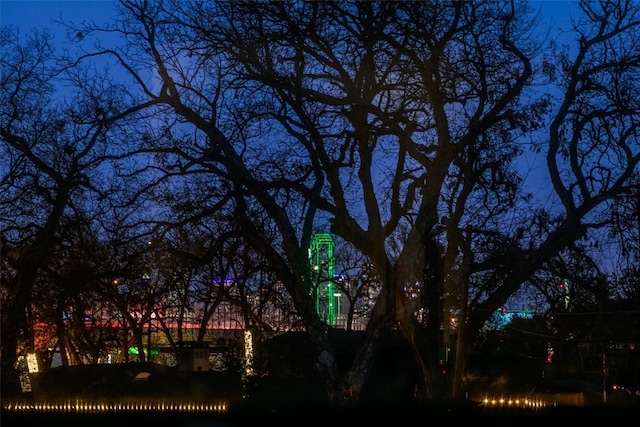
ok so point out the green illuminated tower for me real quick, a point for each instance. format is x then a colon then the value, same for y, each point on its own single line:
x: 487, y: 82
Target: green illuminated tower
x: 322, y: 263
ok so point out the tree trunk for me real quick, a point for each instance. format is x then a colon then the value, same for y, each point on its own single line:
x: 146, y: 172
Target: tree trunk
x: 13, y: 318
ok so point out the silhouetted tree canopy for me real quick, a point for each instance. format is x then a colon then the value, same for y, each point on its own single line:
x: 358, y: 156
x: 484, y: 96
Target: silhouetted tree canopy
x: 399, y: 127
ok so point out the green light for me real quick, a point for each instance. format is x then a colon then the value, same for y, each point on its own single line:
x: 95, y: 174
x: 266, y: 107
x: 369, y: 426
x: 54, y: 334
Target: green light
x: 322, y: 263
x: 135, y: 352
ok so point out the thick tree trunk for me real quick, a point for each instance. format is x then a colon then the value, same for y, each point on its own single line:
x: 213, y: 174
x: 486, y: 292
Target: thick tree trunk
x: 10, y: 331
x: 62, y: 342
x: 13, y: 318
x: 16, y: 303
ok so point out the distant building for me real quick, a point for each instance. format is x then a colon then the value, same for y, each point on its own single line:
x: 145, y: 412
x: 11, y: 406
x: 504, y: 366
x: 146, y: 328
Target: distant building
x: 194, y: 356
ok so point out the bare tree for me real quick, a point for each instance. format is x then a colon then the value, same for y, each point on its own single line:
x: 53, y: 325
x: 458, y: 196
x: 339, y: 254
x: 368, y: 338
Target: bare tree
x: 358, y: 284
x: 399, y: 126
x: 54, y: 143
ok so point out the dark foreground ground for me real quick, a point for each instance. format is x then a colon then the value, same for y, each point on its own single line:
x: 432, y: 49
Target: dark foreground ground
x: 426, y: 416
x: 266, y: 401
